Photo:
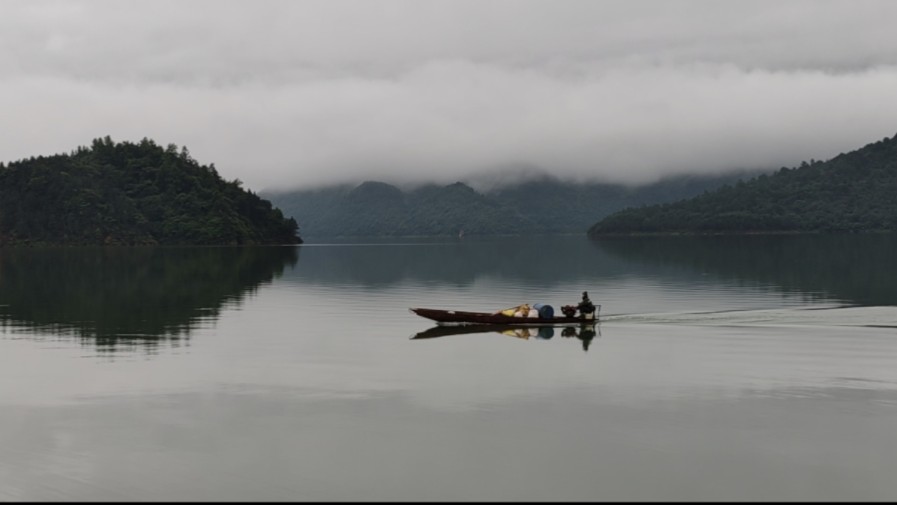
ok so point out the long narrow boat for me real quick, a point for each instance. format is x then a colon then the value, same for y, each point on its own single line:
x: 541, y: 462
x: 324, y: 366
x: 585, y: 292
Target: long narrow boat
x: 464, y: 317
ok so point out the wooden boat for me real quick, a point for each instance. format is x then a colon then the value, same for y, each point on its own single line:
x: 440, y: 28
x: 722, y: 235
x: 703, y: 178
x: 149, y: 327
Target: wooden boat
x: 464, y: 317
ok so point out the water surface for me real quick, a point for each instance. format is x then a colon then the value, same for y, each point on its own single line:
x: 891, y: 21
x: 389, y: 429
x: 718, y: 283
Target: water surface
x: 745, y: 368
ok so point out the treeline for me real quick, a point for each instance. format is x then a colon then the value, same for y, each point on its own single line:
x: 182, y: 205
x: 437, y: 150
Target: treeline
x: 540, y: 205
x: 124, y: 193
x: 852, y: 192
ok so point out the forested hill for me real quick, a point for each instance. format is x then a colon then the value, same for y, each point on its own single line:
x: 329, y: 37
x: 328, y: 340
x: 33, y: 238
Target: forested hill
x: 541, y: 205
x: 851, y: 192
x: 127, y: 194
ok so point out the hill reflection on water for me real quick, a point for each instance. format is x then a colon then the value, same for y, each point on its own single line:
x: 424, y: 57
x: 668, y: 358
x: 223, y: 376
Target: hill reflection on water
x: 113, y: 297
x: 134, y: 296
x: 854, y: 269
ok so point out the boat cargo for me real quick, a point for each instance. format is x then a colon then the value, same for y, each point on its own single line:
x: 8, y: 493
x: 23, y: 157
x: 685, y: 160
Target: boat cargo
x: 465, y: 317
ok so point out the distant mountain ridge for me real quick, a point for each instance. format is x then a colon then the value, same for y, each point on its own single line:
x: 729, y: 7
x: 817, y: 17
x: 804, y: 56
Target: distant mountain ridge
x: 854, y: 192
x: 541, y: 205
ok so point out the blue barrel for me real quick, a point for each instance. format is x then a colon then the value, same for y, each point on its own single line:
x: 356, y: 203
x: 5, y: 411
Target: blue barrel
x: 545, y: 311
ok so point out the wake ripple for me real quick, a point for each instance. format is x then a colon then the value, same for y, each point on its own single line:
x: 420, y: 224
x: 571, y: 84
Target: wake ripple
x: 826, y: 315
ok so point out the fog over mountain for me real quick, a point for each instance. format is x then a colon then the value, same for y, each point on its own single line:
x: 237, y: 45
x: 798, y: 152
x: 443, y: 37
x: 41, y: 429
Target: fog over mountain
x: 284, y: 93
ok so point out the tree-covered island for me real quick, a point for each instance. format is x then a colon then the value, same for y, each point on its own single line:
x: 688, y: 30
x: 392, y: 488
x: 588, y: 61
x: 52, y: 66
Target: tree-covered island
x: 853, y: 192
x: 124, y: 193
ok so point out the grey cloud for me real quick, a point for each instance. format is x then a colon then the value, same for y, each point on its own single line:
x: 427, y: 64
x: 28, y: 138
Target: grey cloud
x: 281, y: 93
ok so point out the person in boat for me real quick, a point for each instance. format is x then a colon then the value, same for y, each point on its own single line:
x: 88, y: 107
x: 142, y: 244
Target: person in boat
x: 586, y: 307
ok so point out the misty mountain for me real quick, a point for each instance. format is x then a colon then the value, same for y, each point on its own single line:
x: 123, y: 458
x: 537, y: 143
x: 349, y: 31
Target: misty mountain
x: 538, y: 205
x: 379, y: 209
x: 850, y: 192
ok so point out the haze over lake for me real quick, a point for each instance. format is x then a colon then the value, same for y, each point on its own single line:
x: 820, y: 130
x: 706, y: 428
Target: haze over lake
x: 732, y: 368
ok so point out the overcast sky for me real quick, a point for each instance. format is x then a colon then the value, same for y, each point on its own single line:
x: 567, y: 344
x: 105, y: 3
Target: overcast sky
x: 300, y: 93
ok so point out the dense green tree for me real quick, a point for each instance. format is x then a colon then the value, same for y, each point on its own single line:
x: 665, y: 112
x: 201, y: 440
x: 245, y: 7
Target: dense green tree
x: 851, y: 192
x: 132, y: 193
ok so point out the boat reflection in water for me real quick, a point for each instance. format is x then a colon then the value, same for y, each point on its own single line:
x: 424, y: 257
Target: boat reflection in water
x: 582, y: 332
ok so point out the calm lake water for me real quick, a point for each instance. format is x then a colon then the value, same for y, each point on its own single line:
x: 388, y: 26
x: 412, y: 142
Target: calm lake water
x: 740, y: 368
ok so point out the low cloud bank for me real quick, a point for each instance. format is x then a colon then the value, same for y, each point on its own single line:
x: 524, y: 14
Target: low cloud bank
x: 298, y: 94
x: 450, y: 120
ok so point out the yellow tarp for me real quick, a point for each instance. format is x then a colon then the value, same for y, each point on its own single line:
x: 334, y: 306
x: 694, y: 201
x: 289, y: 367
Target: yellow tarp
x: 519, y: 311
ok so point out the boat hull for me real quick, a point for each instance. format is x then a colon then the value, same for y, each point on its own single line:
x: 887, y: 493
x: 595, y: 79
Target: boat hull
x: 464, y: 317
